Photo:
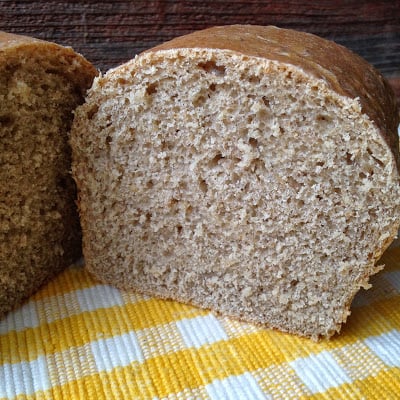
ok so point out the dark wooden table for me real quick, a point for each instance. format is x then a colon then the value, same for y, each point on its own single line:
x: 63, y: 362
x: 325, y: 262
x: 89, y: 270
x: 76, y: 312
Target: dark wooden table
x: 111, y: 32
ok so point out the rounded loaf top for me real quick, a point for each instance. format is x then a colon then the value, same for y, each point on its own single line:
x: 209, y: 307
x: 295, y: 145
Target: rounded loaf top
x: 345, y: 72
x: 72, y: 64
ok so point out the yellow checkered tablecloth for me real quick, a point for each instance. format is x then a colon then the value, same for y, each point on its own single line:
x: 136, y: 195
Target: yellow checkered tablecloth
x: 79, y: 339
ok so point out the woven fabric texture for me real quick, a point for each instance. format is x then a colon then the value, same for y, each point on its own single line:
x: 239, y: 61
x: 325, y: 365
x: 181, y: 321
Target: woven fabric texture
x: 79, y: 339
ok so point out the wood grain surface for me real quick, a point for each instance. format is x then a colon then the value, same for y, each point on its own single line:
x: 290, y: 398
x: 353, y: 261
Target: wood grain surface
x: 111, y: 32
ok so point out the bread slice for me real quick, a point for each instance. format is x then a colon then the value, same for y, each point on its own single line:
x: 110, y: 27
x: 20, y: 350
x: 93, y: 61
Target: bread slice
x: 41, y: 83
x: 251, y: 170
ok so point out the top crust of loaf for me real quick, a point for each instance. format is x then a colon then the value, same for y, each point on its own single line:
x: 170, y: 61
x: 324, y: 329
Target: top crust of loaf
x: 343, y: 71
x: 78, y: 69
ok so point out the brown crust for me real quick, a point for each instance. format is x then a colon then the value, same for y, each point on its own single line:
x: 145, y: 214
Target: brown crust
x: 10, y: 40
x: 10, y: 44
x: 343, y: 71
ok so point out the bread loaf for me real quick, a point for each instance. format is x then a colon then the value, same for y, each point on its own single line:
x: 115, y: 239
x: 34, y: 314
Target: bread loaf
x: 250, y: 170
x: 41, y: 83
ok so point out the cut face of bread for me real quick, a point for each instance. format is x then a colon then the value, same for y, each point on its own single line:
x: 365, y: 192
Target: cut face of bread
x: 40, y: 85
x: 235, y: 182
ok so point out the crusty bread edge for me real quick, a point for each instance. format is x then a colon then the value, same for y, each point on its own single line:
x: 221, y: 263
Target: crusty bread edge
x: 344, y: 71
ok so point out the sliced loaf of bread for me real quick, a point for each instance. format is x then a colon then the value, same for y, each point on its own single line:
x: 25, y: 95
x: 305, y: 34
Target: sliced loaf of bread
x: 251, y: 170
x: 41, y: 83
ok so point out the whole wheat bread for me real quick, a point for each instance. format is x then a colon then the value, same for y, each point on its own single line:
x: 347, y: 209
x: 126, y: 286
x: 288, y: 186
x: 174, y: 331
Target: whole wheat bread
x: 41, y: 83
x: 250, y: 170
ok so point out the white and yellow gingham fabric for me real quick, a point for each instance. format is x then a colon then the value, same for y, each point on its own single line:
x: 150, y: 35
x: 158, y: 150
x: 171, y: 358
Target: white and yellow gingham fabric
x: 79, y: 339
